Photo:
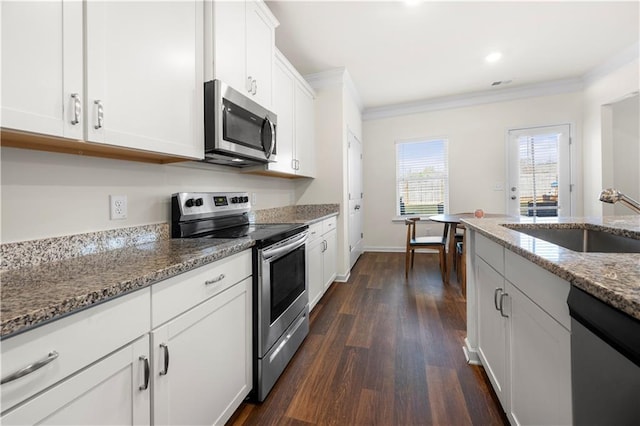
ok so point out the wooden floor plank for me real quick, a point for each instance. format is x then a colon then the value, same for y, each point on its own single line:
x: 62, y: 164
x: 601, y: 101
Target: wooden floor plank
x: 382, y: 350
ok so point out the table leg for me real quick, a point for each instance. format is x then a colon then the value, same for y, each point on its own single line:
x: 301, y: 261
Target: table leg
x: 452, y: 249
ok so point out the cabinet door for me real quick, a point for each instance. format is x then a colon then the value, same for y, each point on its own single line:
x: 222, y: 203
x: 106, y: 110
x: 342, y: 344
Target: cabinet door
x: 42, y: 67
x: 144, y: 75
x: 202, y: 366
x: 315, y: 271
x: 283, y: 107
x: 229, y: 43
x: 305, y: 151
x: 330, y: 258
x: 259, y: 51
x: 111, y: 391
x: 540, y: 371
x: 492, y: 328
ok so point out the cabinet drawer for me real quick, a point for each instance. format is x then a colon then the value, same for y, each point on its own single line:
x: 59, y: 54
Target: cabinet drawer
x: 315, y: 231
x: 329, y: 224
x: 491, y: 252
x: 178, y: 294
x: 79, y: 339
x: 547, y: 290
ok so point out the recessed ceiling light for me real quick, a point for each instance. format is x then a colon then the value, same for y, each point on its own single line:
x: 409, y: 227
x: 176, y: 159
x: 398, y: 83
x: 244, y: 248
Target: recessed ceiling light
x: 412, y: 2
x: 493, y: 57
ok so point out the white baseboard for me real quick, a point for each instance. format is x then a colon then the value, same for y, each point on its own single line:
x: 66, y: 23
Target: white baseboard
x: 471, y: 354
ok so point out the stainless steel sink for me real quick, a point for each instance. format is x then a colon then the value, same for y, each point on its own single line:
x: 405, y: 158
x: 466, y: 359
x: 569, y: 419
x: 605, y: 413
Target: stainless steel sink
x: 583, y: 240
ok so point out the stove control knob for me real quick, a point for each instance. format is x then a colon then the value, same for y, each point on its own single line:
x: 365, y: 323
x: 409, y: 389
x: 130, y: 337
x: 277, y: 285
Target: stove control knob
x: 245, y: 199
x: 199, y: 201
x: 189, y: 202
x: 234, y: 200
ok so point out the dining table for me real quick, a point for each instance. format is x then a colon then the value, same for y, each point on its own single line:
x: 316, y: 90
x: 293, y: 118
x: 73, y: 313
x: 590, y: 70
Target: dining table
x: 451, y: 223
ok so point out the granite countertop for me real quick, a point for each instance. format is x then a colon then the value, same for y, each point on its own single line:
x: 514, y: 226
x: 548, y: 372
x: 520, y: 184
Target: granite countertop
x: 307, y: 214
x: 43, y: 280
x: 611, y: 277
x: 34, y: 295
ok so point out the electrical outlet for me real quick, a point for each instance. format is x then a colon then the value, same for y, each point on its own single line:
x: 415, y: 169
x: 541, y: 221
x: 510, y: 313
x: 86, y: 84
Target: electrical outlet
x: 118, y: 206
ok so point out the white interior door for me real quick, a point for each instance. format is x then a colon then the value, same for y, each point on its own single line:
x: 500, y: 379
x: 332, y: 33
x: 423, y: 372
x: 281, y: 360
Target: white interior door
x: 539, y: 171
x: 355, y: 198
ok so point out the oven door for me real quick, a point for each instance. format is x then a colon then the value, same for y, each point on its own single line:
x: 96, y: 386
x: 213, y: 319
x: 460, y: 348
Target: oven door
x: 282, y: 288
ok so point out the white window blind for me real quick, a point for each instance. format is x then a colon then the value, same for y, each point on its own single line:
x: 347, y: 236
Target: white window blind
x: 538, y: 175
x: 422, y: 176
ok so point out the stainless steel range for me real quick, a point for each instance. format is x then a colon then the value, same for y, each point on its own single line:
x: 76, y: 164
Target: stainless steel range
x: 280, y: 297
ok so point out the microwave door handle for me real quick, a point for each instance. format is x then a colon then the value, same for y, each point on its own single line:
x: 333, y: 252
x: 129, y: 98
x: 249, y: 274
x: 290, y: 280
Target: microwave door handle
x: 273, y: 137
x: 270, y: 253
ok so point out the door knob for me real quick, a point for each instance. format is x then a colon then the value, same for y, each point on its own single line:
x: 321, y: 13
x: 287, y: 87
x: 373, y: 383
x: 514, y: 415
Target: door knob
x: 513, y: 197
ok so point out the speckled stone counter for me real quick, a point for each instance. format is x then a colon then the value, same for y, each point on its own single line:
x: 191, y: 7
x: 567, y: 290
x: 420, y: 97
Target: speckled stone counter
x: 307, y: 213
x: 611, y: 277
x: 36, y: 293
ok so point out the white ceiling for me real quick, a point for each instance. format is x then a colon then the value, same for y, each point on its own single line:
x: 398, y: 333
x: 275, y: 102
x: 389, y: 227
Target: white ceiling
x: 398, y: 54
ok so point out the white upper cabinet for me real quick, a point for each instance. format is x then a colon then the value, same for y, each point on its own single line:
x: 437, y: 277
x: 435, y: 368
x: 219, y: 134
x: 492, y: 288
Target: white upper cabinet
x: 145, y: 75
x: 140, y: 62
x: 293, y: 104
x: 242, y: 44
x: 305, y: 152
x: 42, y: 77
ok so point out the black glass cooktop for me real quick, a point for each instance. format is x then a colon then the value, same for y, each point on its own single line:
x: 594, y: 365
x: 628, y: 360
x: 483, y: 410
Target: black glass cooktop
x: 262, y: 234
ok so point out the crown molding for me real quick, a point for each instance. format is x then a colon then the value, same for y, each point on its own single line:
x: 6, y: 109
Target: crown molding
x: 475, y: 98
x: 619, y: 60
x: 332, y: 78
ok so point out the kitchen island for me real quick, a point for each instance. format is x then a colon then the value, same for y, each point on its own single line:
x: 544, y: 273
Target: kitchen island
x: 519, y: 324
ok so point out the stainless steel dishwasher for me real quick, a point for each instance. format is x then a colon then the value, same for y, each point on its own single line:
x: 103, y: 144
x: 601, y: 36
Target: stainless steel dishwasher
x: 605, y: 362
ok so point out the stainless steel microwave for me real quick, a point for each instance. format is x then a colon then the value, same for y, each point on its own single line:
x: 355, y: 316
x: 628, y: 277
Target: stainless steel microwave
x: 237, y: 131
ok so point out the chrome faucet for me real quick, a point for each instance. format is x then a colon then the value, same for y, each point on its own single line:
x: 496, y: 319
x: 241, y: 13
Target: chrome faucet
x: 611, y: 196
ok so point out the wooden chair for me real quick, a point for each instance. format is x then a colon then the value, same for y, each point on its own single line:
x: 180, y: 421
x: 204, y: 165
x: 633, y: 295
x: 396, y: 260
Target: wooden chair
x: 413, y: 243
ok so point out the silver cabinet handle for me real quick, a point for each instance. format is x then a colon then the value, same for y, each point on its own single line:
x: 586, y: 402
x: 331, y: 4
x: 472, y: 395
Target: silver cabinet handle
x: 293, y: 164
x: 164, y: 347
x: 215, y: 280
x: 30, y: 368
x: 495, y: 298
x: 77, y: 108
x: 357, y: 207
x: 146, y: 372
x: 249, y: 84
x: 502, y: 296
x: 98, y: 103
x: 254, y: 87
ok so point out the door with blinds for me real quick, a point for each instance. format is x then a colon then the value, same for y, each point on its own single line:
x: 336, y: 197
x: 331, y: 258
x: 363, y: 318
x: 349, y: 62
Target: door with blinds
x: 539, y: 172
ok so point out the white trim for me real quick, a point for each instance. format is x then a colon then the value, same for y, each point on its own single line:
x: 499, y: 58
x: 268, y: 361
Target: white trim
x: 619, y: 60
x: 475, y: 98
x: 335, y: 77
x: 343, y: 278
x: 471, y: 354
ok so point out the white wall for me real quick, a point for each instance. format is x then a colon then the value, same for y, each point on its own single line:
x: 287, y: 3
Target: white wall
x: 598, y: 154
x: 47, y: 194
x: 477, y: 146
x: 625, y: 140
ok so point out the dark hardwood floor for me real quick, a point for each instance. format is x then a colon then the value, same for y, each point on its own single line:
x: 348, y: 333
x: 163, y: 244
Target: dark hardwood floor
x: 382, y: 351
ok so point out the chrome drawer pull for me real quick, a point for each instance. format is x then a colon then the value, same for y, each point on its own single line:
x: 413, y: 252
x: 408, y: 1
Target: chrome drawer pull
x: 166, y: 359
x: 146, y: 373
x: 502, y: 305
x: 77, y: 108
x: 30, y: 368
x: 215, y: 280
x: 100, y: 114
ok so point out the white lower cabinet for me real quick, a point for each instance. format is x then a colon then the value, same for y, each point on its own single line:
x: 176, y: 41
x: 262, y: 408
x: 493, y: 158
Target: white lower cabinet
x: 523, y: 328
x: 321, y: 258
x: 492, y: 329
x: 179, y: 352
x: 112, y: 391
x: 92, y: 367
x: 202, y: 360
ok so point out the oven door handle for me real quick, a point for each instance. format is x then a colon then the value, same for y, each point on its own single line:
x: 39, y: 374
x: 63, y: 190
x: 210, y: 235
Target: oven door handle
x: 292, y: 245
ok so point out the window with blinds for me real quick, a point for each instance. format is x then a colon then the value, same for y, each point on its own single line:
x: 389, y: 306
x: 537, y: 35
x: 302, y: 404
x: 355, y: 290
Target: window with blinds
x: 538, y: 175
x: 422, y: 177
